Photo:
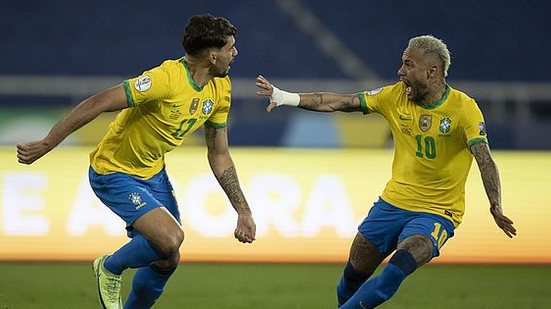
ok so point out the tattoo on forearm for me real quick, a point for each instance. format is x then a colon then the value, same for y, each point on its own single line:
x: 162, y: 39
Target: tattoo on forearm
x: 230, y: 184
x: 326, y: 102
x: 348, y: 105
x: 489, y: 173
x: 316, y: 99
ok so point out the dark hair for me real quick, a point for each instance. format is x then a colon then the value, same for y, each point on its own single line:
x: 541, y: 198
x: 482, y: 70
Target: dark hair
x: 206, y: 31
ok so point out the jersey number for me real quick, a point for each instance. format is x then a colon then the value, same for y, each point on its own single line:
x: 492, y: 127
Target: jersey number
x: 430, y: 146
x: 188, y: 122
x: 439, y: 236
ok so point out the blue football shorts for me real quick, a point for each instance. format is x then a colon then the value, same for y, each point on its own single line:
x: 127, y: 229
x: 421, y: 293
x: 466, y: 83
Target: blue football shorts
x: 386, y: 225
x: 131, y: 197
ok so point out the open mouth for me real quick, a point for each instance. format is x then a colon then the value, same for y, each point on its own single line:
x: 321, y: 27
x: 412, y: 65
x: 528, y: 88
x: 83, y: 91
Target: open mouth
x: 409, y: 89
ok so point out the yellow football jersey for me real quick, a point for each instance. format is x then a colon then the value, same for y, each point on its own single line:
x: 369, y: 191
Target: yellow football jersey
x: 165, y: 105
x: 431, y: 148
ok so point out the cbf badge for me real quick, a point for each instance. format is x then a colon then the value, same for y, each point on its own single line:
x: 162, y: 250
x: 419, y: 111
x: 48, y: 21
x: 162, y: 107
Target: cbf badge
x: 136, y: 199
x: 425, y: 122
x: 445, y: 125
x: 207, y: 106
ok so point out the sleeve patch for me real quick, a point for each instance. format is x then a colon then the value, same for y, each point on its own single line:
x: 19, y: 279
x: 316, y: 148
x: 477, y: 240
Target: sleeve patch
x: 142, y: 83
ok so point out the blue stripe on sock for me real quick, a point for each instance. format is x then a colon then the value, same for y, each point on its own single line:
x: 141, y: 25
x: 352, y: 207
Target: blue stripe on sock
x: 404, y: 260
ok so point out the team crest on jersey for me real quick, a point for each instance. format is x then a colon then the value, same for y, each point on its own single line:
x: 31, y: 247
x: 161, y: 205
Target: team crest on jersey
x: 193, y: 106
x: 374, y: 91
x: 425, y: 122
x: 136, y: 199
x: 445, y: 125
x: 142, y: 83
x: 207, y: 106
x: 482, y: 128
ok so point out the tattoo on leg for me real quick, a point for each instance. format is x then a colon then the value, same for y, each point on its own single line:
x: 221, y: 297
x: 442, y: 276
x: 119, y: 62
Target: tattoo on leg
x: 364, y: 256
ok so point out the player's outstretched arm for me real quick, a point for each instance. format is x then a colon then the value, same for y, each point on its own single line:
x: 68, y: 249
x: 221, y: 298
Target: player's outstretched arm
x: 112, y: 99
x: 492, y: 185
x: 316, y: 101
x: 224, y: 170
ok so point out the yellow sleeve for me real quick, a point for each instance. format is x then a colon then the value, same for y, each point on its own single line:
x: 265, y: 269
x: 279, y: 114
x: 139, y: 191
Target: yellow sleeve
x: 374, y: 101
x: 219, y: 117
x: 473, y: 124
x: 152, y: 85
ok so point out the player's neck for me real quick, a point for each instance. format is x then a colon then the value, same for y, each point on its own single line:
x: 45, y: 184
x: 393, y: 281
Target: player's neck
x: 199, y: 72
x: 436, y: 93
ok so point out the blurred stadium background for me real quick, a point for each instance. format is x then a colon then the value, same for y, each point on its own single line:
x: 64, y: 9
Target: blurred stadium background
x: 309, y: 177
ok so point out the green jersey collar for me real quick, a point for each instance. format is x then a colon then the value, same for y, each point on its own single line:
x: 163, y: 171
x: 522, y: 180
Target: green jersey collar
x: 192, y: 83
x: 439, y: 102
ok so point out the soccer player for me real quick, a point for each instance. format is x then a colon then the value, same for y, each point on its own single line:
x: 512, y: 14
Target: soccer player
x: 160, y: 108
x: 436, y: 130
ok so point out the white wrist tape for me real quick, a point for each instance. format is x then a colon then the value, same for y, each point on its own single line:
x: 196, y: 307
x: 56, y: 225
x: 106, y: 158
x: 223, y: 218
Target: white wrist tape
x: 282, y: 97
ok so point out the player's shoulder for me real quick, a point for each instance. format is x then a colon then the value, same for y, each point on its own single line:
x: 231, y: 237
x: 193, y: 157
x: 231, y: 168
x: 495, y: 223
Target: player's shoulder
x: 385, y: 90
x: 398, y: 87
x: 462, y: 97
x: 171, y: 65
x: 221, y: 82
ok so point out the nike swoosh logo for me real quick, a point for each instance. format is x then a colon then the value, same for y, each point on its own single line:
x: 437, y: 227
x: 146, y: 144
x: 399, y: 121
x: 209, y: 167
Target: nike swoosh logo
x: 402, y: 117
x: 176, y: 106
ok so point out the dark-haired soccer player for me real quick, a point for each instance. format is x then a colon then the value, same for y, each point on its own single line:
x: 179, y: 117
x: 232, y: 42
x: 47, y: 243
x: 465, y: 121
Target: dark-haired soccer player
x: 161, y: 108
x: 436, y: 130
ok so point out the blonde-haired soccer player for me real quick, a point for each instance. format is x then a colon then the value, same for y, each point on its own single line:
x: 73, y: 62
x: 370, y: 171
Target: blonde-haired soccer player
x: 160, y: 108
x: 436, y: 130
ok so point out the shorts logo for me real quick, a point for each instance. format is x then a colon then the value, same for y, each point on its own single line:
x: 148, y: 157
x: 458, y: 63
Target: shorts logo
x: 207, y: 106
x: 425, y: 122
x: 143, y: 83
x: 136, y: 199
x: 193, y: 106
x: 445, y: 125
x: 482, y: 128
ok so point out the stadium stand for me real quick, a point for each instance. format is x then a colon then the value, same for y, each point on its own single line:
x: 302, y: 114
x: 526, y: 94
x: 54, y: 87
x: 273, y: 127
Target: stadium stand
x: 59, y: 52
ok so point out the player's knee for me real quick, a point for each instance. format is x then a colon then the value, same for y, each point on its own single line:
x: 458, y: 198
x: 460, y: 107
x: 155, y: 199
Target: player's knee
x: 420, y: 247
x: 170, y: 263
x: 170, y: 244
x: 364, y: 256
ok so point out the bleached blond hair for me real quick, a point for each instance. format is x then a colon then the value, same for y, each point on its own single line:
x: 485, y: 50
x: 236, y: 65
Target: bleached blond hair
x: 433, y: 46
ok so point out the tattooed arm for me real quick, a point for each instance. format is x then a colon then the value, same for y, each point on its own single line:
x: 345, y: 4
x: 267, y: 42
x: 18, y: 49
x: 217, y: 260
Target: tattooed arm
x: 317, y: 101
x: 224, y: 170
x: 490, y: 178
x: 330, y: 102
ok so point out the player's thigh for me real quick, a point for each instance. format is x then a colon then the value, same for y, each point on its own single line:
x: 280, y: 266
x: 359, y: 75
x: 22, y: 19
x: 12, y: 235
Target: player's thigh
x: 162, y: 190
x: 161, y: 228
x: 127, y: 196
x: 424, y: 235
x: 364, y: 256
x: 139, y: 203
x: 383, y: 226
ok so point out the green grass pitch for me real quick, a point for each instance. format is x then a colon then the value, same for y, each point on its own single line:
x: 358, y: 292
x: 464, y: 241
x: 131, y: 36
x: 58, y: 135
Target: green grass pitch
x: 242, y: 286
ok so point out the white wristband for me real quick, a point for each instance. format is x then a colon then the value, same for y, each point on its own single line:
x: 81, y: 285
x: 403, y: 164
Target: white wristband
x: 282, y: 97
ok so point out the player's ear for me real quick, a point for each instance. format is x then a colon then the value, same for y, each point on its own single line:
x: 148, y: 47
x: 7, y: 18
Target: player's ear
x: 433, y: 70
x: 212, y: 56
